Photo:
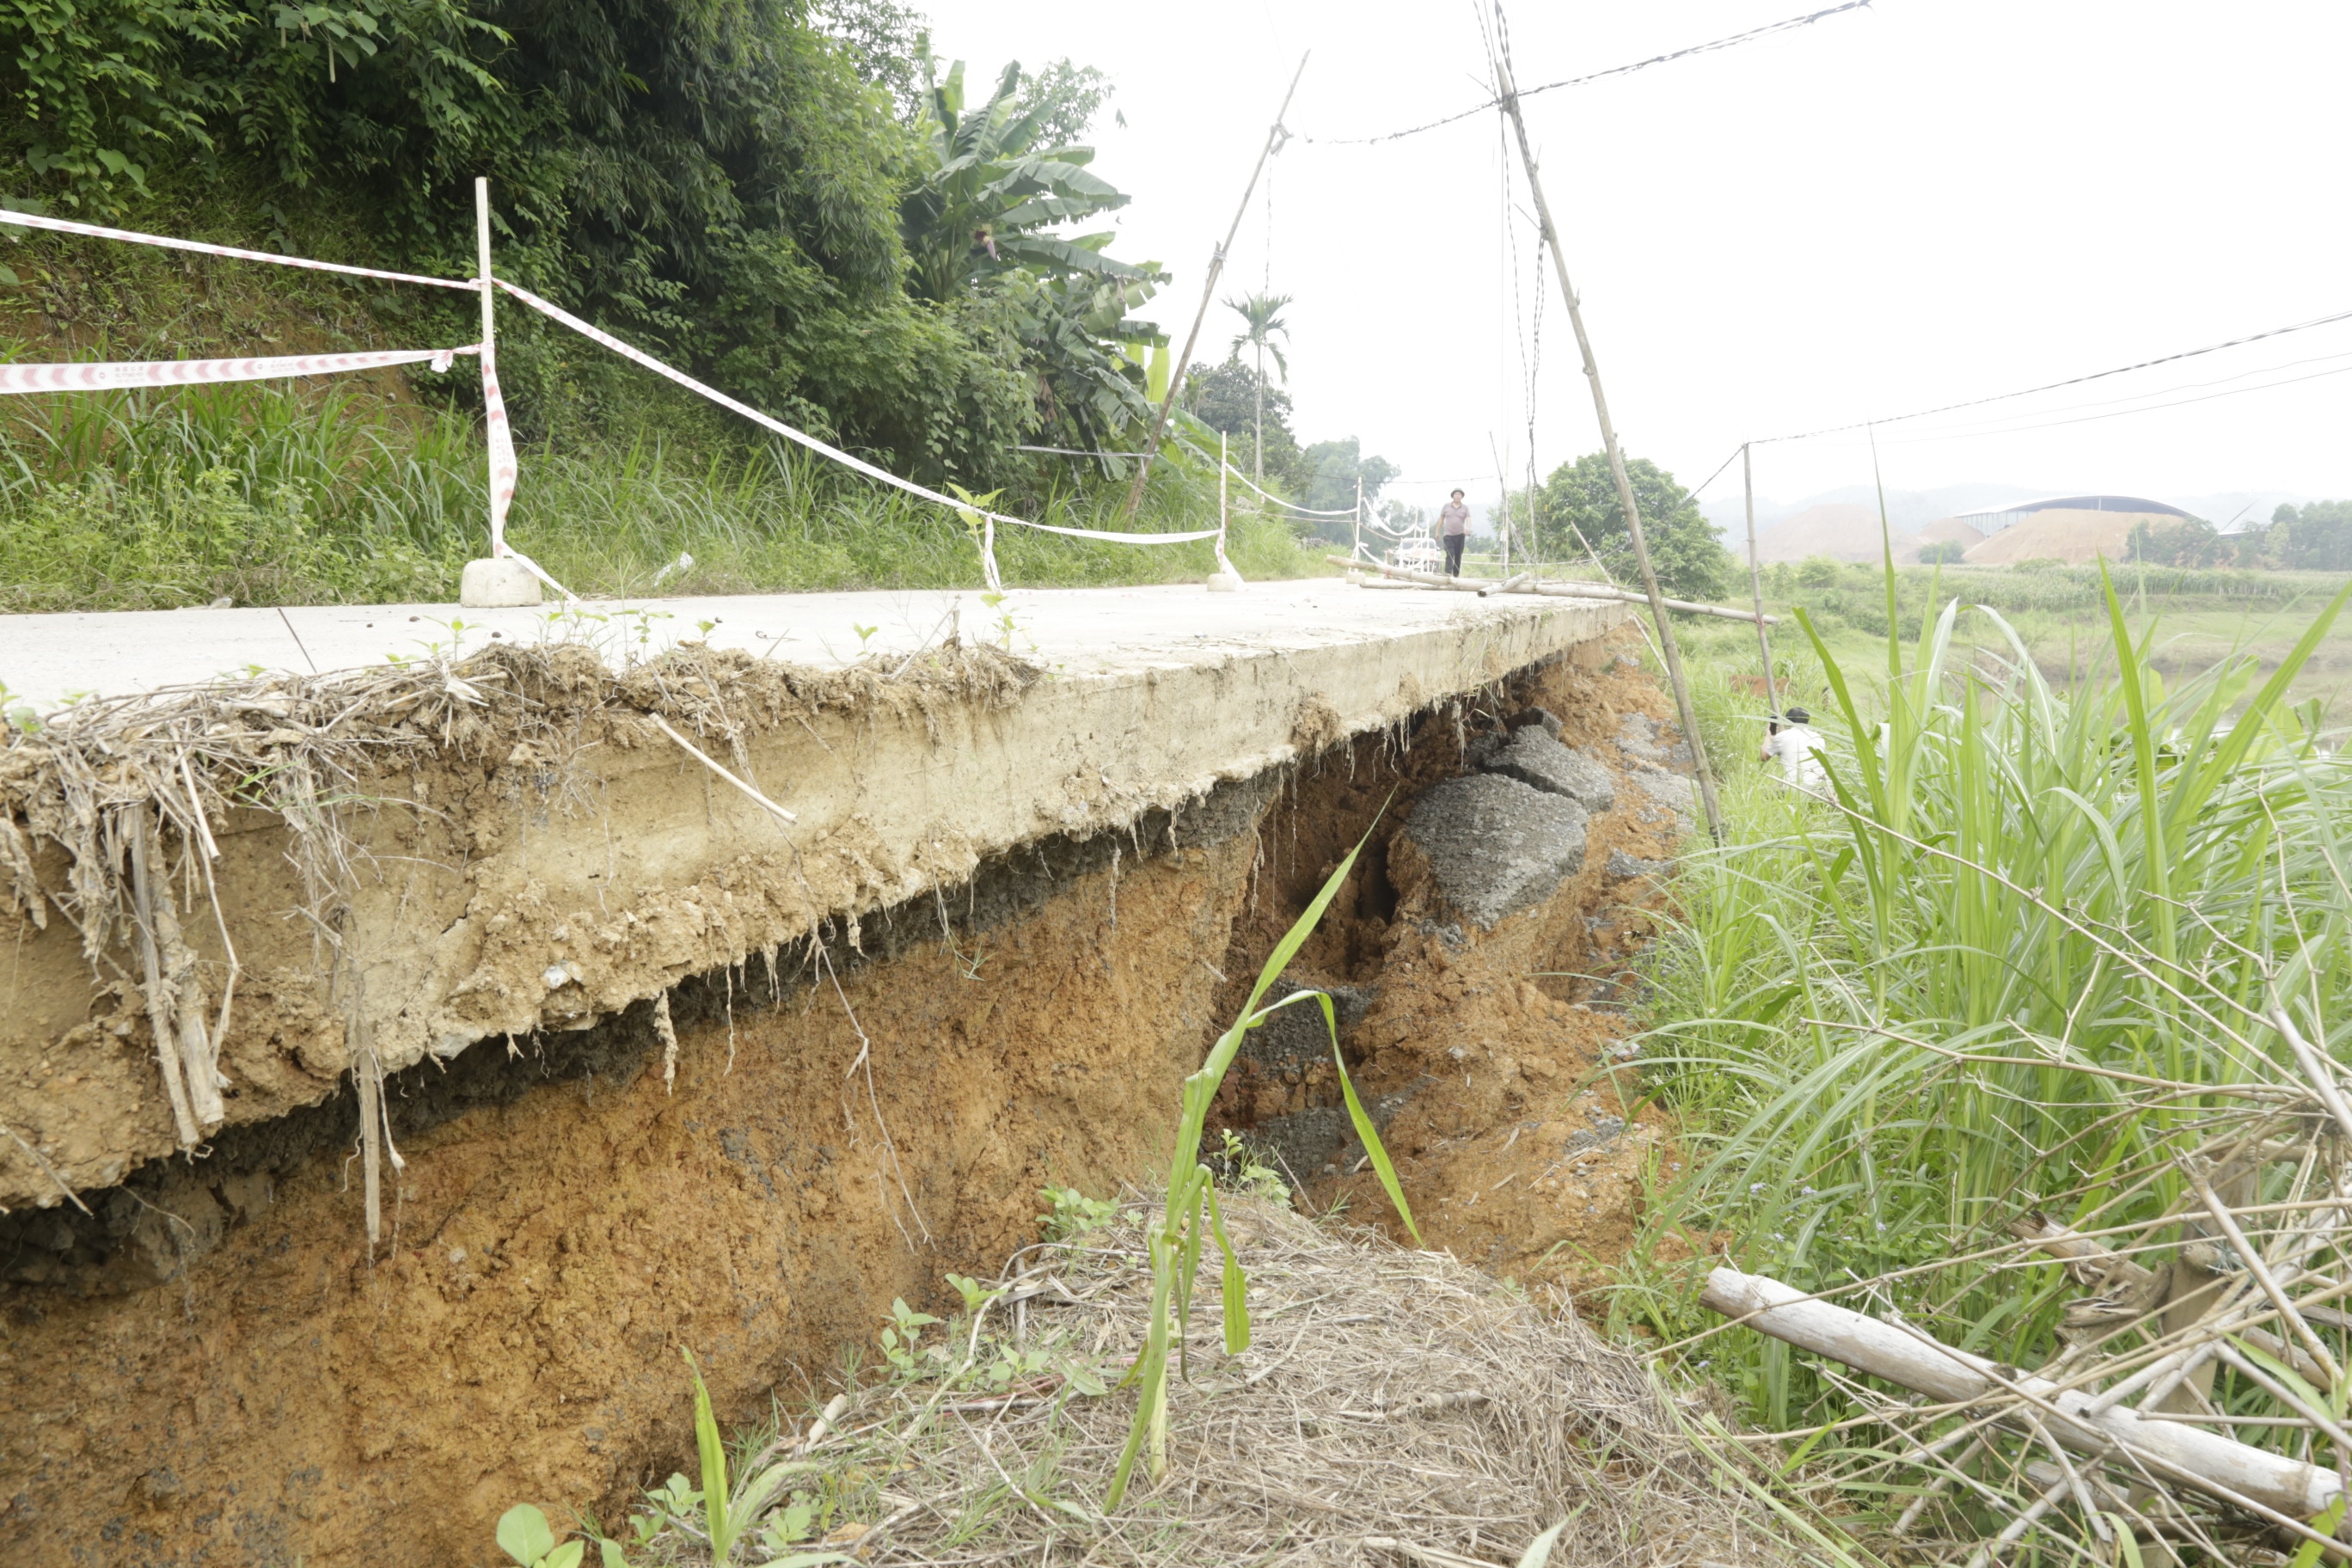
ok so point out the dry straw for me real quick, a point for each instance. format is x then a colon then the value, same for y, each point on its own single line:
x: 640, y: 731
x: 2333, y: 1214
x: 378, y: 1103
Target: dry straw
x: 1397, y: 1408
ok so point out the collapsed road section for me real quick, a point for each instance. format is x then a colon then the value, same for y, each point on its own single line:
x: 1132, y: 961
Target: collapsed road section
x: 400, y: 1063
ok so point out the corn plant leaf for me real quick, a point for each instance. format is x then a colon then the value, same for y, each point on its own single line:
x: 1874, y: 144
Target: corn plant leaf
x: 712, y: 1448
x: 1369, y: 1134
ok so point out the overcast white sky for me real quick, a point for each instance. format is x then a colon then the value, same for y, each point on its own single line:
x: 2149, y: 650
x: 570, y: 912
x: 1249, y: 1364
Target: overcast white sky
x: 1899, y: 207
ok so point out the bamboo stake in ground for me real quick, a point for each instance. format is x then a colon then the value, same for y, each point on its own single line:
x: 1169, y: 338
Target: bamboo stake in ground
x: 1756, y: 584
x: 1510, y: 102
x: 1274, y: 136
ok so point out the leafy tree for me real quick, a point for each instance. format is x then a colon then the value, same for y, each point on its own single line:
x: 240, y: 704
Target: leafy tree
x: 1065, y: 98
x: 886, y: 44
x: 1333, y: 468
x: 2178, y: 541
x: 1261, y: 317
x: 715, y: 181
x: 1943, y: 553
x: 1690, y: 561
x: 1229, y: 397
x: 2317, y: 537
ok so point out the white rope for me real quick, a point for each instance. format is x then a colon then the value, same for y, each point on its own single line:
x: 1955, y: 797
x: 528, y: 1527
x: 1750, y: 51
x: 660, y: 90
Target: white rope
x: 10, y: 218
x: 987, y: 519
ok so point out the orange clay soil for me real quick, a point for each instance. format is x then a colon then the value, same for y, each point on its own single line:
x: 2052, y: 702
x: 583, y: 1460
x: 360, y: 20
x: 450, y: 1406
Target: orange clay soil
x: 563, y: 1230
x: 285, y: 1400
x: 1510, y: 1142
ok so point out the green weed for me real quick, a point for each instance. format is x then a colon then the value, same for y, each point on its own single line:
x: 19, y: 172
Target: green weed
x: 1894, y: 1020
x: 1175, y: 1239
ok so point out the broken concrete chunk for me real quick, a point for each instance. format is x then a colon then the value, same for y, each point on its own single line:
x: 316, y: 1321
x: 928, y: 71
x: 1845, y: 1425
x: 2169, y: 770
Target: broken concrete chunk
x: 1534, y: 758
x: 1543, y: 716
x: 1624, y: 868
x: 1671, y: 791
x: 1644, y: 740
x: 1496, y: 846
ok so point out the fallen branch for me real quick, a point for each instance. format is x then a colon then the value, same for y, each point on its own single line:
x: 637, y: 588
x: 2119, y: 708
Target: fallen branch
x: 2231, y: 1471
x: 1548, y: 590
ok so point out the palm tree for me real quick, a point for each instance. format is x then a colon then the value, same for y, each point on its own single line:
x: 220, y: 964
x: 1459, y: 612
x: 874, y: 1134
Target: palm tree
x: 1261, y: 318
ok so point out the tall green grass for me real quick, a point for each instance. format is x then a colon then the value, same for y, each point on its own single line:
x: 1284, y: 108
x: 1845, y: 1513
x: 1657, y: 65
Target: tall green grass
x: 140, y: 500
x: 1896, y: 1021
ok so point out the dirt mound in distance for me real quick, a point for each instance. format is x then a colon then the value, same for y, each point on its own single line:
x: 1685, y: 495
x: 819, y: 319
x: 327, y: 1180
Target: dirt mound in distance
x: 1841, y: 530
x: 2062, y: 533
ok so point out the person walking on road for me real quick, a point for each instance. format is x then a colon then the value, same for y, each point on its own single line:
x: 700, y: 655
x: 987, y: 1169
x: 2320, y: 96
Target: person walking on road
x: 1454, y: 527
x: 1798, y: 747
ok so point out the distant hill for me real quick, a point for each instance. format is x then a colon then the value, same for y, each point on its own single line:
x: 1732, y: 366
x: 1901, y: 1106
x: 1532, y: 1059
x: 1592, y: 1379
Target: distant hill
x: 1841, y: 530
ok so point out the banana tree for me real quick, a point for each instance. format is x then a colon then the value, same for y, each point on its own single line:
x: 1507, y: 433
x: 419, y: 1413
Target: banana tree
x: 985, y: 199
x: 1089, y: 354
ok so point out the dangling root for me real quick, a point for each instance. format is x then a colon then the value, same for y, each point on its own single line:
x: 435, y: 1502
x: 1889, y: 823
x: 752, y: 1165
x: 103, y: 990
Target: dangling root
x: 669, y: 1043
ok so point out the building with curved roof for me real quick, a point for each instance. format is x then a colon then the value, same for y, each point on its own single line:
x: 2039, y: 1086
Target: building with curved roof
x: 1995, y: 519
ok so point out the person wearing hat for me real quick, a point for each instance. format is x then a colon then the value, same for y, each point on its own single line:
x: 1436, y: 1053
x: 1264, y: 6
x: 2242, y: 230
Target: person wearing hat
x: 1454, y: 528
x: 1798, y: 747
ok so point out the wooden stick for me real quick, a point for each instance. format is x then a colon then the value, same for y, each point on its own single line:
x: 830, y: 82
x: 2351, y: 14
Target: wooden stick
x: 1274, y: 136
x: 2216, y: 1465
x: 1550, y: 590
x: 1672, y: 651
x: 1756, y: 585
x: 161, y: 1020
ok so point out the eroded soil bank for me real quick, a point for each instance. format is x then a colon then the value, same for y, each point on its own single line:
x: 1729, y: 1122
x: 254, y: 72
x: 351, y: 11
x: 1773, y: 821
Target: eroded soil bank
x: 283, y: 1398
x: 213, y: 1368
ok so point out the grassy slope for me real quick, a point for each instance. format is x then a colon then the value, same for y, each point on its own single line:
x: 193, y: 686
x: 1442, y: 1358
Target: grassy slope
x: 372, y: 487
x: 1824, y: 1147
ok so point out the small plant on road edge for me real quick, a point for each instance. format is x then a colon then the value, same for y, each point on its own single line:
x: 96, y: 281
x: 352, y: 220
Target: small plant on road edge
x: 1175, y: 1239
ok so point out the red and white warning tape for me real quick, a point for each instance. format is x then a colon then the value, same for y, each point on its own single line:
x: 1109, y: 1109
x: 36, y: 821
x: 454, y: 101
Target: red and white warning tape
x: 96, y: 375
x: 10, y: 219
x: 989, y: 519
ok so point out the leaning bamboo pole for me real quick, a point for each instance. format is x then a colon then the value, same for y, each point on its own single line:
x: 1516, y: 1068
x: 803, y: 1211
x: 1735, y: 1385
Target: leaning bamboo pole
x: 1275, y: 137
x: 1519, y: 585
x: 1509, y: 100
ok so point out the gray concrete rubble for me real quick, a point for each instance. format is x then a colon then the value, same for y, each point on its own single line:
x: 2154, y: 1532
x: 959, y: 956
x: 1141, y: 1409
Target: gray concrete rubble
x: 1533, y: 757
x: 1496, y: 846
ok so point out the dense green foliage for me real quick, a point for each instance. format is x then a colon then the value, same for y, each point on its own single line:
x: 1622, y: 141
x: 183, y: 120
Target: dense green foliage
x: 1578, y: 508
x: 725, y: 182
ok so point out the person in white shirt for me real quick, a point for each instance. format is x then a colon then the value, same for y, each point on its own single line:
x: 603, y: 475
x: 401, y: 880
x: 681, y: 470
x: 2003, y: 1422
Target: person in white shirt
x: 1798, y: 747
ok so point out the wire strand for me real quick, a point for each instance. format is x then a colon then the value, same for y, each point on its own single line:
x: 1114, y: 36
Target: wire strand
x: 2054, y: 386
x: 1786, y: 24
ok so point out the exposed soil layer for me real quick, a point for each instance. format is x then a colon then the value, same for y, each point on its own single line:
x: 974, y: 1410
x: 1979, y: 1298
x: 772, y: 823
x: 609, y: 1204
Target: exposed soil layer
x: 1491, y: 1054
x: 215, y: 1367
x: 565, y: 1221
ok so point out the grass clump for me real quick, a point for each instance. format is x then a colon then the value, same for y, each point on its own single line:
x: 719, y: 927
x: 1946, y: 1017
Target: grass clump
x: 152, y: 500
x: 2029, y: 958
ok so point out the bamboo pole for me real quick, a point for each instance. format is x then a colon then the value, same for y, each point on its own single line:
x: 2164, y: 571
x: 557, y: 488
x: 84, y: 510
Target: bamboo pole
x: 1274, y: 136
x: 1550, y: 590
x: 1510, y: 102
x: 2218, y: 1466
x: 1756, y: 584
